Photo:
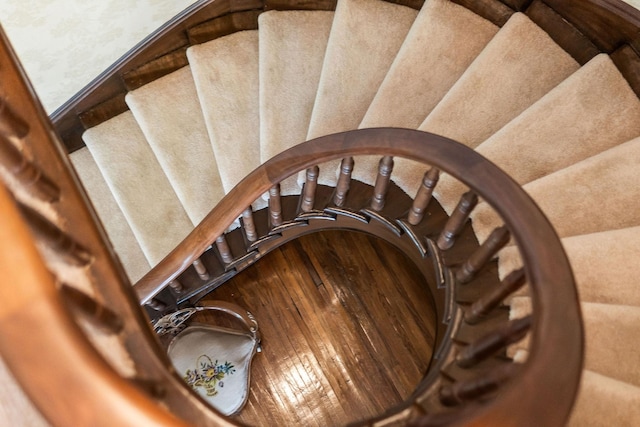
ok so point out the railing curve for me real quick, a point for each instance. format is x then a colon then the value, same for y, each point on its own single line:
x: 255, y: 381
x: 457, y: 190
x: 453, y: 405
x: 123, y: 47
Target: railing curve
x: 546, y: 387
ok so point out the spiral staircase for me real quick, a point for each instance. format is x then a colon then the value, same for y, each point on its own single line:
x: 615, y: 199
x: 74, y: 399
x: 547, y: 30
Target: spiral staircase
x: 198, y: 172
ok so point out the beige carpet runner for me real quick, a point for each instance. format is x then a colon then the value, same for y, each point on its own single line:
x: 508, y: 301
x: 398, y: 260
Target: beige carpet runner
x: 350, y: 79
x: 423, y: 71
x: 139, y: 185
x: 594, y: 272
x: 569, y: 134
x: 292, y: 47
x: 169, y: 114
x: 517, y: 67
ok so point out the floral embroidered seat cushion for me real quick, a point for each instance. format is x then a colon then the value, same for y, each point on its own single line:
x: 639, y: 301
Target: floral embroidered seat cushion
x: 214, y: 361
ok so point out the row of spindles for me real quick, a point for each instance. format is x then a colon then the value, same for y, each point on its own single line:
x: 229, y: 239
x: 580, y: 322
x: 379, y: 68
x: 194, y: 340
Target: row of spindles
x: 486, y: 346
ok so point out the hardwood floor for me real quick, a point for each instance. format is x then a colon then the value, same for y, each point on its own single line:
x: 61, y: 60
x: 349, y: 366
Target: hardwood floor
x: 347, y: 330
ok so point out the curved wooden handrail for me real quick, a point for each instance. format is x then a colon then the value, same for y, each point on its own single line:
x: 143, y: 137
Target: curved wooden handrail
x: 46, y: 351
x: 556, y: 352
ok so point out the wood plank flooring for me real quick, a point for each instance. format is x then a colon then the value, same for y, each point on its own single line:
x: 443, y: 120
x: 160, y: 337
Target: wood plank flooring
x: 347, y: 329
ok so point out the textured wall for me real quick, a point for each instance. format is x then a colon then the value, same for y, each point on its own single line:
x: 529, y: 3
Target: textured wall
x: 64, y: 44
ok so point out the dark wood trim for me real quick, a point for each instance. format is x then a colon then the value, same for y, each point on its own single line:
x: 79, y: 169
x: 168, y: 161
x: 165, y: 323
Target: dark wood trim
x: 223, y: 26
x: 562, y: 32
x: 627, y: 60
x: 607, y: 23
x: 495, y: 11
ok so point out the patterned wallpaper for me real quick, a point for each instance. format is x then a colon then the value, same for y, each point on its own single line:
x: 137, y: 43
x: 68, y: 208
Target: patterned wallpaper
x: 64, y: 44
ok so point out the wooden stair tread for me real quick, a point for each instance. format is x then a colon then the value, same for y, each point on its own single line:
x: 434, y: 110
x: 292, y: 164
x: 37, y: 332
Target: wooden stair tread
x: 225, y: 71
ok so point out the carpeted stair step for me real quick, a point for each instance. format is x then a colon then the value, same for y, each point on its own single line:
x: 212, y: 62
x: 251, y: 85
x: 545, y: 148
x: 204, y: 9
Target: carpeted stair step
x: 169, y: 114
x: 142, y: 190
x: 365, y: 38
x: 425, y: 67
x: 604, y: 401
x: 592, y: 110
x: 225, y: 72
x: 610, y: 337
x: 292, y: 47
x: 115, y: 224
x: 597, y: 194
x: 424, y: 70
x: 516, y: 68
x: 605, y: 265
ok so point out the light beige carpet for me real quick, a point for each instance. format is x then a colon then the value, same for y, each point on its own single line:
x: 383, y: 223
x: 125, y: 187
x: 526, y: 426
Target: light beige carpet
x: 604, y: 402
x: 517, y: 67
x: 115, y: 224
x: 292, y: 47
x: 424, y: 70
x: 365, y: 38
x: 139, y: 185
x: 169, y: 114
x: 225, y: 71
x: 594, y: 109
x: 605, y: 265
x: 596, y: 194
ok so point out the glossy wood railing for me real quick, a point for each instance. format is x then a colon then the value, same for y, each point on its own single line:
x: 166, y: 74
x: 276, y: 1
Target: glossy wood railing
x: 555, y: 325
x: 62, y: 285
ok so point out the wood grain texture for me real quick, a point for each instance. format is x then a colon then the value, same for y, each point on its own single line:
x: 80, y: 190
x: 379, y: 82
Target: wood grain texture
x: 562, y: 32
x: 347, y: 329
x: 628, y: 62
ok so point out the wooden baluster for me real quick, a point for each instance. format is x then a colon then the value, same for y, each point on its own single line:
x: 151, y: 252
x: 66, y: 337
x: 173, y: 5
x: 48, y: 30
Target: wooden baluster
x: 29, y: 175
x: 83, y: 305
x: 496, y: 241
x: 223, y: 248
x: 11, y: 125
x: 423, y: 197
x: 176, y: 286
x: 275, y: 206
x: 482, y: 307
x: 156, y: 304
x: 488, y: 382
x: 494, y: 341
x: 344, y: 181
x: 385, y: 168
x: 456, y: 221
x: 201, y: 269
x: 309, y: 191
x: 249, y: 225
x: 56, y: 239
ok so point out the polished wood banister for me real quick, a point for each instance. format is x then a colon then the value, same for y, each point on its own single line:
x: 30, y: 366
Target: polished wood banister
x: 68, y: 364
x: 103, y: 276
x: 554, y: 373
